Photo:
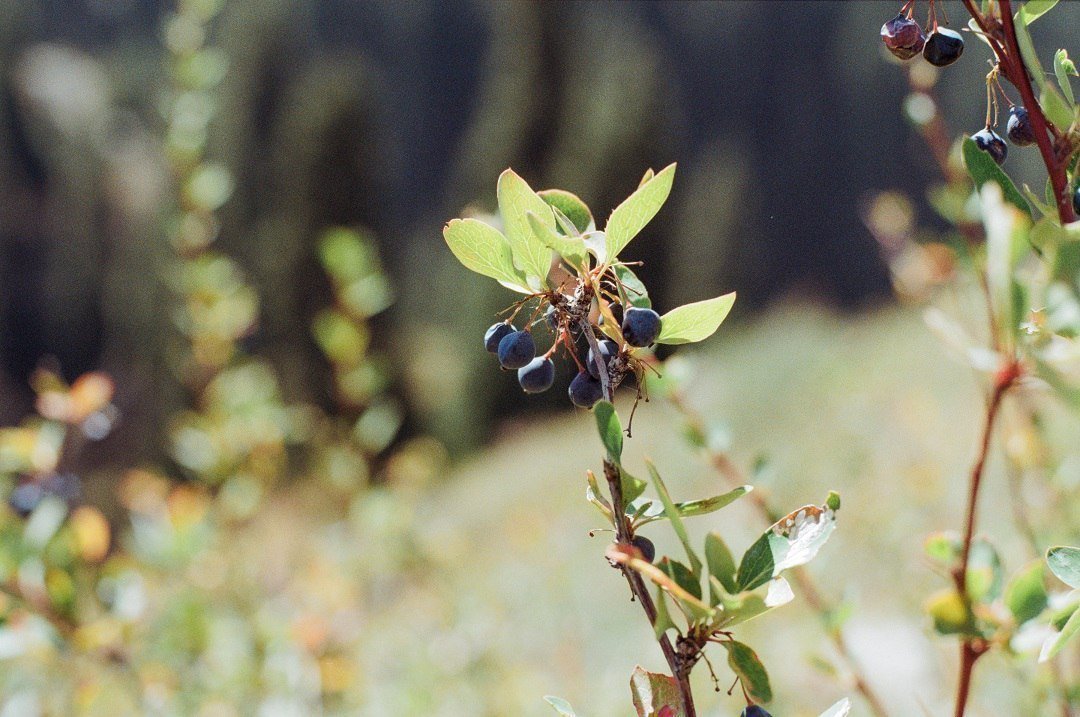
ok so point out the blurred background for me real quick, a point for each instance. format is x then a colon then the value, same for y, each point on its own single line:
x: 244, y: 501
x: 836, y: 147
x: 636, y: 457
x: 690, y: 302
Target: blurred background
x: 317, y: 492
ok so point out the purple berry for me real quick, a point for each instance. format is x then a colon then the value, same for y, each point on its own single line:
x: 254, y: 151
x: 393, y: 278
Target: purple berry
x: 1019, y: 129
x: 903, y: 37
x: 1076, y: 199
x: 648, y: 550
x: 991, y: 142
x: 755, y: 711
x: 585, y: 390
x: 943, y: 47
x: 640, y: 327
x: 495, y: 334
x: 537, y: 375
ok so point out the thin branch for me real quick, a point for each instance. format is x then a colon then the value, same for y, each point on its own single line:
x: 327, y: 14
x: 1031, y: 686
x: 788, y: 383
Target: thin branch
x: 726, y: 467
x: 641, y: 590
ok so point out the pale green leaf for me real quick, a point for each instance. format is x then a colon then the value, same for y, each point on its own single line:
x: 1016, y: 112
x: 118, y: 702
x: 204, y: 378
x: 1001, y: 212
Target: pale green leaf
x: 1027, y: 47
x: 1064, y: 562
x: 1025, y: 595
x: 1054, y: 643
x: 516, y: 199
x: 571, y: 206
x: 482, y: 248
x: 840, y: 709
x: 1056, y: 108
x: 694, y: 322
x: 673, y: 515
x: 637, y: 210
x: 1032, y: 10
x: 571, y: 248
x: 1063, y: 67
x: 561, y: 706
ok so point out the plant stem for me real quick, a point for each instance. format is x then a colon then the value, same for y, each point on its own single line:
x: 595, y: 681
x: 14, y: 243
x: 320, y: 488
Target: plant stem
x: 972, y: 648
x: 641, y: 591
x: 807, y: 587
x: 1002, y: 37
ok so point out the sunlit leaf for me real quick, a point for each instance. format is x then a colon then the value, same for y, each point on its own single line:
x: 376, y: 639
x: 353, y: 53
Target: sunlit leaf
x: 1063, y: 68
x: 694, y: 322
x: 1055, y: 643
x: 840, y: 709
x: 571, y: 205
x: 676, y: 520
x: 635, y: 292
x: 516, y: 200
x: 561, y: 706
x: 1064, y: 562
x: 482, y: 248
x: 702, y: 506
x: 1025, y: 595
x: 637, y: 210
x: 570, y: 248
x: 1032, y: 10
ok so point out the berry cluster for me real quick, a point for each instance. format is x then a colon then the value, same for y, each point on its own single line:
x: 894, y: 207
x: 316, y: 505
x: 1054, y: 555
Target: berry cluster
x: 904, y: 38
x: 596, y: 332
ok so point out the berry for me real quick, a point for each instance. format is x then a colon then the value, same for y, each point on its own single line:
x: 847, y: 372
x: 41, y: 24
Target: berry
x: 640, y: 327
x: 516, y: 349
x: 648, y: 550
x: 608, y: 349
x: 755, y: 711
x: 1019, y: 129
x: 495, y: 334
x: 537, y: 375
x: 943, y: 47
x: 1076, y: 199
x: 991, y: 142
x: 903, y: 37
x: 585, y: 390
x: 25, y: 497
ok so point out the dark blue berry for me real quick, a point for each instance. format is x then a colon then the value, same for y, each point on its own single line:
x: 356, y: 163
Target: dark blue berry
x: 585, y: 390
x: 648, y: 550
x: 608, y: 349
x: 640, y: 327
x: 1076, y: 199
x: 537, y: 375
x: 552, y: 318
x: 755, y: 711
x: 991, y: 142
x: 903, y: 37
x: 25, y: 497
x: 495, y: 334
x: 943, y: 47
x: 516, y: 349
x: 1019, y: 128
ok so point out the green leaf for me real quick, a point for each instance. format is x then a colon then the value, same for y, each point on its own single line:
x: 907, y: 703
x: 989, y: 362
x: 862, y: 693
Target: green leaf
x: 702, y: 506
x: 570, y: 205
x: 610, y: 429
x: 833, y: 501
x: 694, y: 322
x: 682, y: 576
x: 663, y: 617
x: 1025, y: 595
x: 637, y: 210
x: 482, y: 248
x: 632, y: 487
x: 1027, y: 47
x: 721, y: 563
x: 656, y: 694
x: 571, y: 248
x: 1032, y: 10
x: 1064, y: 562
x: 635, y: 293
x: 676, y: 520
x: 985, y: 576
x: 949, y: 613
x: 593, y: 495
x: 1053, y: 644
x: 561, y: 706
x: 983, y: 169
x: 1063, y: 67
x: 516, y: 199
x: 738, y: 610
x: 596, y: 243
x: 744, y: 662
x: 1056, y: 109
x: 943, y: 547
x: 757, y: 565
x: 840, y: 709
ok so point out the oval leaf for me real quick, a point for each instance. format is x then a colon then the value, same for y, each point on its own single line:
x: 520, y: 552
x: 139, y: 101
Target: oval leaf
x: 571, y: 205
x: 694, y: 322
x: 516, y: 199
x: 482, y: 248
x: 610, y: 430
x: 637, y: 210
x: 571, y: 248
x: 1064, y: 562
x: 982, y: 168
x: 656, y: 695
x: 744, y: 662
